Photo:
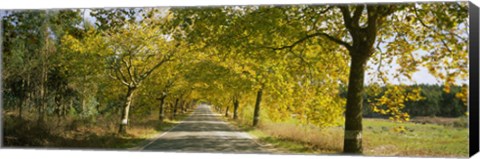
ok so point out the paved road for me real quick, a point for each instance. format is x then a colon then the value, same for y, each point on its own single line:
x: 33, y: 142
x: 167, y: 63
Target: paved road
x: 204, y: 131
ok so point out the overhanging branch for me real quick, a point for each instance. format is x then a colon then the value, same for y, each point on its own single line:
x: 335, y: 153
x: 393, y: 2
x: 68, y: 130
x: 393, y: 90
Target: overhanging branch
x: 347, y: 18
x: 329, y: 37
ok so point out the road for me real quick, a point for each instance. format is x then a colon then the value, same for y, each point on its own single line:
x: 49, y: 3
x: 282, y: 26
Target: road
x: 204, y: 131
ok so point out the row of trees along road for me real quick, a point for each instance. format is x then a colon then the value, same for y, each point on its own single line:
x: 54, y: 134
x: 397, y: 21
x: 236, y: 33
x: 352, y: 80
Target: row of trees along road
x: 283, y: 59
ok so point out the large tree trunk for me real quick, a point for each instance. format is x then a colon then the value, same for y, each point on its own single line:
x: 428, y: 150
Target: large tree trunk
x: 256, y: 113
x: 161, y: 112
x: 126, y: 108
x: 353, y: 113
x: 235, y: 108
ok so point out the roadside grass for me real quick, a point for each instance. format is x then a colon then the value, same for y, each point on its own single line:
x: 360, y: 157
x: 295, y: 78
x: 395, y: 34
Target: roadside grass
x: 379, y: 139
x: 287, y: 137
x: 419, y: 139
x: 71, y: 133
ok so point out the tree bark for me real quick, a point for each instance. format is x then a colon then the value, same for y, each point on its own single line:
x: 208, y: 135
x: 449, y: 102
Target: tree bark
x: 175, y: 108
x: 181, y: 106
x: 44, y: 77
x: 20, y: 109
x: 161, y: 112
x: 126, y: 108
x: 353, y: 112
x: 171, y: 110
x: 226, y: 111
x: 256, y: 113
x: 235, y: 108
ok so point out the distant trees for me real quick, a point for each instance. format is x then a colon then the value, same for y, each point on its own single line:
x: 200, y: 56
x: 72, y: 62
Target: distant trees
x: 435, y: 102
x: 33, y: 72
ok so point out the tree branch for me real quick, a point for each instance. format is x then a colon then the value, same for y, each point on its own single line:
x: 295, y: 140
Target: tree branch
x: 356, y: 16
x: 120, y: 76
x: 372, y: 23
x: 116, y: 78
x: 432, y: 28
x: 165, y: 59
x: 331, y: 38
x: 129, y: 66
x: 117, y: 70
x: 347, y: 19
x: 419, y: 19
x: 326, y: 10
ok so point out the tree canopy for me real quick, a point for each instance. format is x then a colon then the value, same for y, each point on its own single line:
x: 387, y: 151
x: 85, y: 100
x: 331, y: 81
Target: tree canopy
x: 307, y: 62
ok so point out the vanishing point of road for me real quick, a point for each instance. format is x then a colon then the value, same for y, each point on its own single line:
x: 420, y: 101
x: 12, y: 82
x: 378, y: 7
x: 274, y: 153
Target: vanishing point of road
x: 204, y: 131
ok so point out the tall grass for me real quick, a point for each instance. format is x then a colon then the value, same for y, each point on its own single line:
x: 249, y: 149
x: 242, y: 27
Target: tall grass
x: 74, y: 132
x: 313, y: 139
x: 290, y: 136
x: 432, y: 137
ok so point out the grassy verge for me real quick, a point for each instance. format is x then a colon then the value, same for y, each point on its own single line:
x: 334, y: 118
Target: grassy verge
x: 379, y: 139
x: 99, y: 133
x: 280, y: 145
x: 419, y: 139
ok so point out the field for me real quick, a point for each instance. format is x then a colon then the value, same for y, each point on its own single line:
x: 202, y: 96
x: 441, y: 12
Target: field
x: 419, y: 140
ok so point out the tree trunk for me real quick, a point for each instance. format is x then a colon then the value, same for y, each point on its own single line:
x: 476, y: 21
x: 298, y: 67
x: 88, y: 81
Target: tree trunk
x: 175, y: 108
x: 171, y: 110
x: 226, y: 111
x: 161, y: 112
x: 180, y: 106
x: 41, y: 101
x: 126, y: 108
x: 44, y: 78
x: 20, y: 109
x: 353, y: 112
x: 235, y: 108
x: 184, y: 106
x: 256, y: 113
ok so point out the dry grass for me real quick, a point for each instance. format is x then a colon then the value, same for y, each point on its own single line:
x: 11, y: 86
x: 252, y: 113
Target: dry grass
x: 379, y: 139
x: 322, y: 140
x: 97, y: 133
x: 290, y: 137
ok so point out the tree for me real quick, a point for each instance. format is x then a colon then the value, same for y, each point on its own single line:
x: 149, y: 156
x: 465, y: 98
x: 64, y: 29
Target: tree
x: 359, y: 30
x: 131, y: 54
x: 34, y: 75
x: 369, y: 25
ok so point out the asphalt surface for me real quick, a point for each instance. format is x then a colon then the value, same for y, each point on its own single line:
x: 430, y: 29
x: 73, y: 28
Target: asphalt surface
x: 204, y: 131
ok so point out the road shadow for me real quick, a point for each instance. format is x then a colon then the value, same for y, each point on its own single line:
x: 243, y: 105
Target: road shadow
x: 210, y: 143
x: 205, y: 131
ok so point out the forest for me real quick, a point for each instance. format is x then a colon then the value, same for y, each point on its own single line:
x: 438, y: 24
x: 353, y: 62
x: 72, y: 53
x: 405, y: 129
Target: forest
x: 111, y: 78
